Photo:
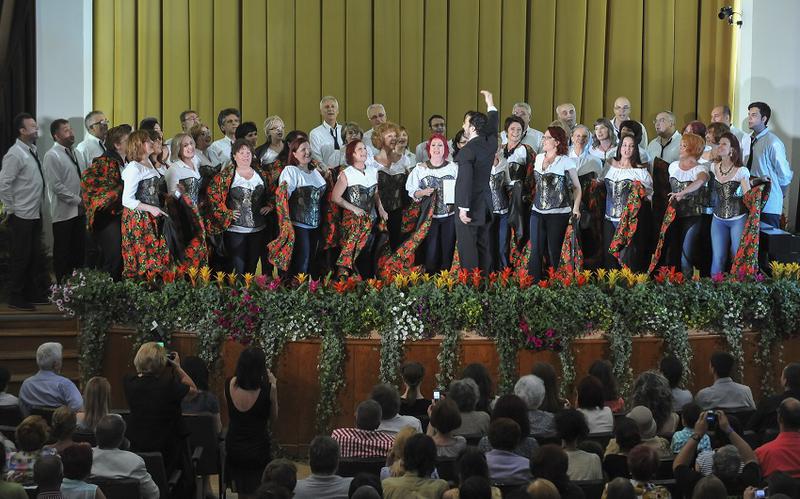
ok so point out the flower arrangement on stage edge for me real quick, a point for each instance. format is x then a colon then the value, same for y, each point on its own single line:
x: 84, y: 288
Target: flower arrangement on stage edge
x: 508, y: 307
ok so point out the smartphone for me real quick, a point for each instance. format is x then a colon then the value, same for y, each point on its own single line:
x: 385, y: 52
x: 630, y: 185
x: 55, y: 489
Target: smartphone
x: 160, y: 343
x: 711, y: 420
x: 437, y: 395
x: 171, y: 355
x: 761, y: 493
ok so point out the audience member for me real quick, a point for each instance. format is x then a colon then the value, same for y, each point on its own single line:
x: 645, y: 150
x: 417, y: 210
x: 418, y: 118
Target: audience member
x: 590, y: 402
x: 619, y: 488
x: 478, y: 373
x: 476, y: 487
x: 471, y: 464
x: 571, y: 427
x: 77, y: 461
x: 412, y: 403
x: 48, y: 473
x: 63, y: 425
x: 783, y: 453
x: 691, y: 412
x: 323, y: 459
x: 766, y: 415
x: 505, y: 467
x: 542, y: 488
x: 602, y: 370
x: 530, y: 388
x: 6, y: 399
x: 551, y: 463
x: 552, y: 402
x: 420, y: 460
x: 271, y: 490
x: 709, y: 487
x: 365, y: 440
x: 466, y: 394
x: 47, y: 388
x: 9, y: 489
x: 205, y: 402
x: 644, y: 419
x: 282, y: 472
x: 388, y: 398
x: 724, y: 393
x: 514, y: 408
x: 781, y: 483
x: 367, y: 480
x: 366, y: 492
x: 108, y: 461
x: 672, y: 369
x: 445, y: 419
x: 394, y: 459
x: 96, y: 397
x: 651, y: 390
x: 30, y: 436
x: 642, y: 465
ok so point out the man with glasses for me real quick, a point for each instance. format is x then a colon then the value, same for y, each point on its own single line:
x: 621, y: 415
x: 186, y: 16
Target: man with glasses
x: 667, y: 144
x: 189, y: 118
x: 219, y: 152
x: 436, y: 124
x: 92, y: 146
x: 622, y: 112
x: 376, y: 114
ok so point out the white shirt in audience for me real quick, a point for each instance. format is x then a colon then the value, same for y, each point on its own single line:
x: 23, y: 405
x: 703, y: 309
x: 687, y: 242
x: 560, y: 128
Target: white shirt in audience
x: 398, y: 422
x: 115, y: 463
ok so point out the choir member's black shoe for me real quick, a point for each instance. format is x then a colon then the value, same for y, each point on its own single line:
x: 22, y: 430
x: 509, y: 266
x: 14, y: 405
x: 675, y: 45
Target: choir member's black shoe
x: 21, y: 305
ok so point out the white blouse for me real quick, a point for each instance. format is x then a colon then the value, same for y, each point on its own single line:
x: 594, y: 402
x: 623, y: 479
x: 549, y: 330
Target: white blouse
x: 133, y: 173
x: 296, y: 177
x: 178, y: 171
x: 559, y: 167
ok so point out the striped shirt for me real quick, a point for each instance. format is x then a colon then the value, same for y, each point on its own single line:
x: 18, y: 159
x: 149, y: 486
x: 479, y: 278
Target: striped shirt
x: 355, y: 442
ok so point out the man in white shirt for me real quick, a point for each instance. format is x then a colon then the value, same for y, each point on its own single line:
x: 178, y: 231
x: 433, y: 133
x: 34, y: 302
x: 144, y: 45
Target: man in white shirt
x: 530, y: 136
x: 327, y: 137
x: 21, y: 195
x: 436, y: 124
x: 622, y: 112
x: 189, y: 118
x: 219, y: 152
x: 722, y: 114
x: 566, y: 113
x: 376, y: 114
x: 389, y: 399
x: 667, y: 144
x: 108, y: 461
x: 62, y: 172
x: 92, y: 146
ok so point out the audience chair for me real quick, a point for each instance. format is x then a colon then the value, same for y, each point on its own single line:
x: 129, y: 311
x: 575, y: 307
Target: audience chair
x: 600, y: 438
x: 508, y: 490
x: 664, y: 471
x: 670, y: 485
x: 84, y: 436
x: 592, y: 489
x: 154, y: 462
x: 31, y: 490
x: 10, y: 415
x: 446, y: 468
x: 203, y: 436
x: 473, y: 440
x: 45, y: 412
x: 551, y: 438
x: 118, y: 488
x: 352, y: 466
x: 10, y: 432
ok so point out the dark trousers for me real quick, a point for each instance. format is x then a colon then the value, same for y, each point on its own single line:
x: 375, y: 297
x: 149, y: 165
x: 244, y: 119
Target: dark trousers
x: 394, y: 224
x: 69, y: 243
x: 305, y: 247
x: 109, y: 238
x: 499, y: 241
x: 440, y: 244
x: 473, y: 245
x: 547, y: 234
x: 25, y: 260
x: 244, y: 250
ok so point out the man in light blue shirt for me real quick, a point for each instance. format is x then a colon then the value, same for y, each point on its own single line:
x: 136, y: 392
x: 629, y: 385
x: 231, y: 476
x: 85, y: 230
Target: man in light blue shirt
x: 47, y: 388
x: 768, y: 159
x: 323, y: 458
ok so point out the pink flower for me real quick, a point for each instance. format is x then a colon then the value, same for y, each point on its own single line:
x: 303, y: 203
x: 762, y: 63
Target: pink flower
x: 261, y: 281
x: 537, y: 343
x: 550, y: 332
x: 718, y: 278
x: 234, y: 293
x: 275, y: 284
x: 313, y: 285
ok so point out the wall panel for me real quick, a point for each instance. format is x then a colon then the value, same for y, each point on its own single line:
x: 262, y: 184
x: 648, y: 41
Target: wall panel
x: 281, y: 58
x: 148, y: 58
x: 201, y: 73
x: 226, y: 57
x: 333, y: 52
x: 103, y: 55
x: 254, y: 62
x: 385, y: 59
x: 412, y: 39
x: 175, y: 53
x: 541, y: 69
x: 358, y: 63
x: 434, y: 85
x: 512, y: 56
x: 462, y: 58
x: 307, y: 71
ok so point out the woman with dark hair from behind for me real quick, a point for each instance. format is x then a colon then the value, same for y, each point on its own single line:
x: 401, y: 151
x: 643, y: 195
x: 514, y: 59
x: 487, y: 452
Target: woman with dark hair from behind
x: 572, y: 428
x: 444, y: 419
x: 514, y: 408
x: 252, y: 400
x: 478, y: 373
x: 63, y: 426
x: 619, y: 488
x: 602, y: 370
x: 419, y: 461
x: 205, y: 402
x: 413, y: 403
x: 471, y: 464
x: 626, y: 437
x: 552, y: 402
x: 599, y: 417
x: 551, y: 463
x: 77, y: 462
x: 672, y: 369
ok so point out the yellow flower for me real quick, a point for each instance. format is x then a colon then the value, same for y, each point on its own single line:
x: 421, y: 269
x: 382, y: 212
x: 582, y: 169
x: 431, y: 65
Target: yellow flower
x: 426, y: 277
x: 613, y: 277
x: 301, y: 278
x: 232, y: 279
x: 601, y: 275
x: 220, y: 276
x: 205, y: 274
x: 414, y: 277
x: 642, y: 278
x: 439, y: 281
x: 400, y: 281
x: 248, y: 278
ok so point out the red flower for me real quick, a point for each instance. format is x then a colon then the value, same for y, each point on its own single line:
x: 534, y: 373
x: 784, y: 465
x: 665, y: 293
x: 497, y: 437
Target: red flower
x: 475, y: 277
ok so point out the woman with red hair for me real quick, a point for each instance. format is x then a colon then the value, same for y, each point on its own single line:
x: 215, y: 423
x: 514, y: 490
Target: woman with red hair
x: 426, y: 180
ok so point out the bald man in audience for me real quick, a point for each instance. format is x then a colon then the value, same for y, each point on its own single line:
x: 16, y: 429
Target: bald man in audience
x: 530, y: 136
x: 622, y: 112
x: 566, y: 113
x: 722, y: 114
x: 376, y: 114
x: 783, y: 453
x: 667, y: 143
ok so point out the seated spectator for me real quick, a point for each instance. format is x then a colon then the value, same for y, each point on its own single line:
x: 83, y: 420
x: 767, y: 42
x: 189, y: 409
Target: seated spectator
x: 445, y: 418
x: 651, y: 390
x: 590, y: 402
x: 270, y: 490
x: 471, y: 464
x: 647, y: 429
x: 364, y: 440
x: 6, y: 399
x: 724, y: 393
x: 734, y: 464
x: 476, y: 487
x: 323, y: 459
x: 47, y: 388
x: 552, y: 402
x: 704, y: 462
x: 282, y: 472
x: 710, y: 487
x: 551, y: 463
x: 783, y: 453
x: 619, y: 488
x: 420, y: 461
x: 513, y: 407
x: 505, y: 467
x: 672, y: 369
x: 626, y: 437
x: 530, y: 388
x: 31, y: 435
x: 571, y: 427
x: 365, y: 492
x: 602, y: 370
x: 63, y: 427
x: 108, y: 461
x: 365, y: 480
x: 389, y: 399
x: 478, y: 373
x: 77, y: 461
x: 466, y: 394
x: 781, y: 483
x: 412, y: 403
x: 394, y: 459
x: 642, y: 465
x: 766, y: 415
x: 205, y: 402
x: 96, y: 397
x: 9, y: 490
x: 542, y: 488
x: 48, y: 473
x: 691, y: 412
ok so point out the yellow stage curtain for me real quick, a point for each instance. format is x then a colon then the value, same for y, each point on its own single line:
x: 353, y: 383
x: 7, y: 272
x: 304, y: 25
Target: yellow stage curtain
x: 417, y: 57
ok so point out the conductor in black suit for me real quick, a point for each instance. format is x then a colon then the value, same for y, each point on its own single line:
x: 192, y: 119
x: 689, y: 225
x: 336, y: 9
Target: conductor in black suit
x: 473, y: 197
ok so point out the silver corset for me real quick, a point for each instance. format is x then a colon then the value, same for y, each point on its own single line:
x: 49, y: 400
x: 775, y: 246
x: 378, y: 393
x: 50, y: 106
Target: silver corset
x: 552, y: 191
x: 192, y: 187
x: 436, y: 183
x: 304, y: 205
x: 249, y: 203
x: 617, y: 196
x: 150, y: 190
x: 499, y: 195
x: 392, y: 189
x: 516, y: 171
x: 361, y: 196
x: 726, y: 203
x: 691, y: 205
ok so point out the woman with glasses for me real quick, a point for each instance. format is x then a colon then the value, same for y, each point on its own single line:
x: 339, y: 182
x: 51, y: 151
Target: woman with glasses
x: 268, y: 152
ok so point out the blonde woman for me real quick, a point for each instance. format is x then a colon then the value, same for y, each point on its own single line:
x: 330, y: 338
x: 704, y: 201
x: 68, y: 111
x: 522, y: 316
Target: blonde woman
x: 96, y: 395
x: 274, y: 129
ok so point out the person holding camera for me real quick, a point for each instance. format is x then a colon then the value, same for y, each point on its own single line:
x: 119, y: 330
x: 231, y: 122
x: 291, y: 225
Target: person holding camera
x: 735, y: 464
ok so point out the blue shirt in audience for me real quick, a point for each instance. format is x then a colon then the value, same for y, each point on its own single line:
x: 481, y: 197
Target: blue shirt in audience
x: 48, y: 389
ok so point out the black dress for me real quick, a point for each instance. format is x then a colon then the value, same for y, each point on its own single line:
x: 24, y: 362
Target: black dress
x: 247, y: 443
